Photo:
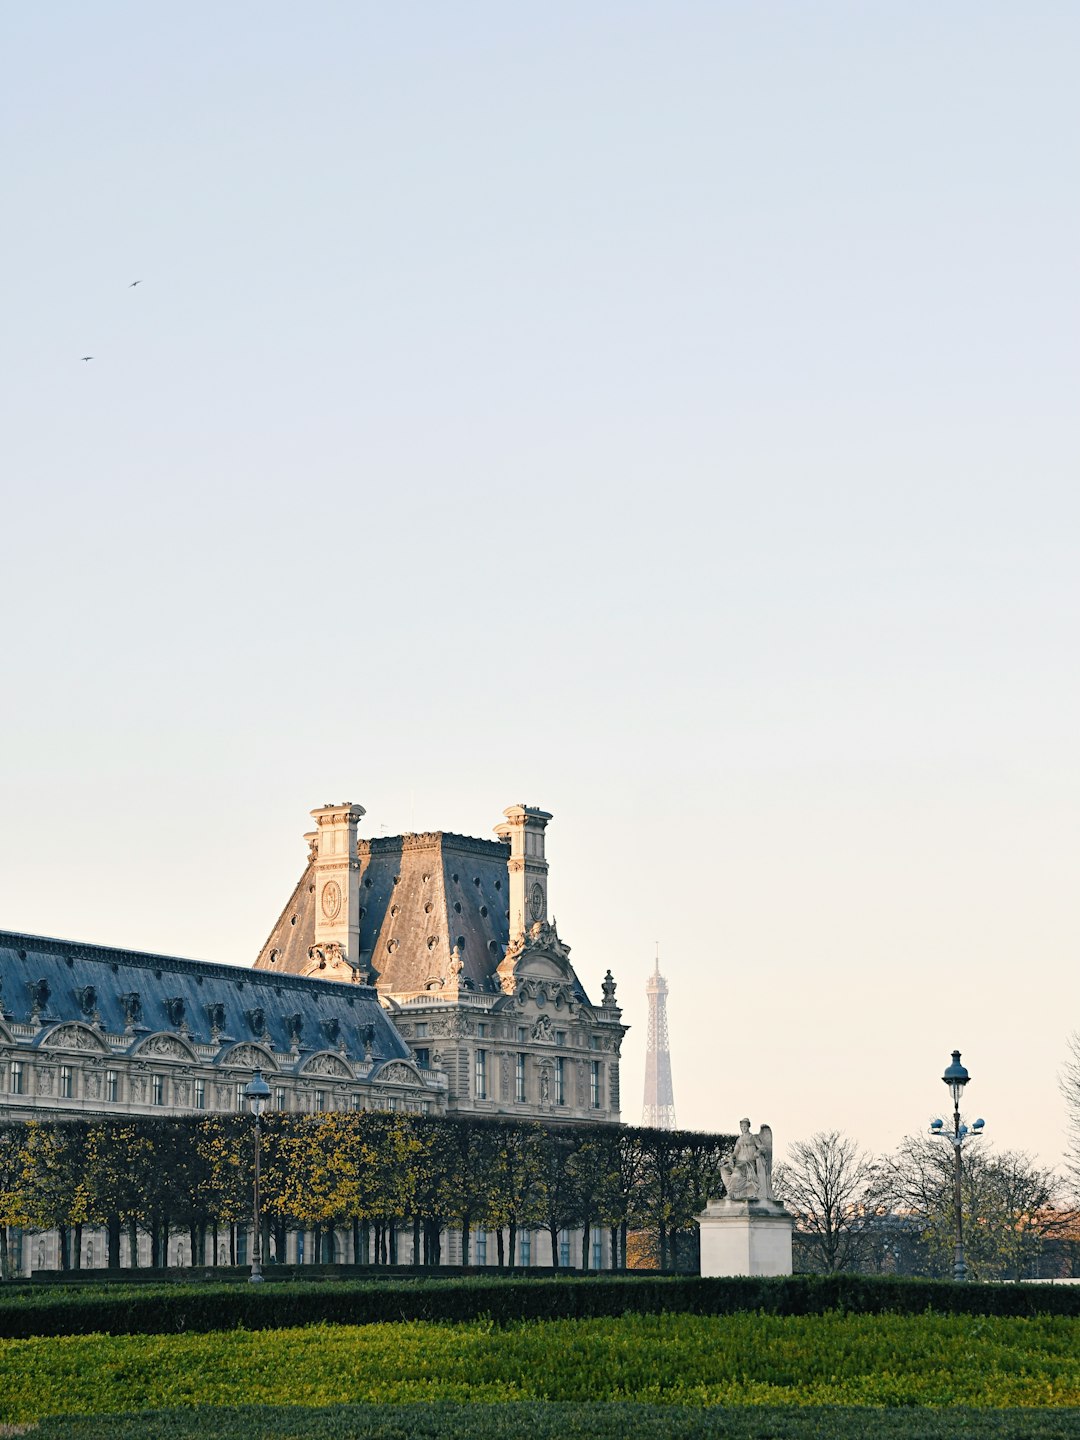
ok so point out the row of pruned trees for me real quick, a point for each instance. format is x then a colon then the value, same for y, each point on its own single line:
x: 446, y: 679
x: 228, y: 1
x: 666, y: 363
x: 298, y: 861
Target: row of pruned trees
x: 897, y: 1212
x: 375, y: 1174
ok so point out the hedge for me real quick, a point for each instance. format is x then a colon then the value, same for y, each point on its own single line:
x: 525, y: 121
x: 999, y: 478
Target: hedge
x: 567, y: 1422
x: 208, y: 1307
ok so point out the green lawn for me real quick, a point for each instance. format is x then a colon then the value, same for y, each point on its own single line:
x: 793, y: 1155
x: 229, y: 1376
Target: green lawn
x: 531, y: 1421
x: 682, y: 1360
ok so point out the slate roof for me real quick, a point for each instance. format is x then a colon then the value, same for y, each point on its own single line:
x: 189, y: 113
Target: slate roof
x: 420, y: 896
x: 85, y: 982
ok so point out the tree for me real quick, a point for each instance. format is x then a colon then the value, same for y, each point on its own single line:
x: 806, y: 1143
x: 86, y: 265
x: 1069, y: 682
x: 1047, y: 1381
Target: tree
x: 1070, y: 1089
x: 1010, y: 1207
x: 12, y: 1188
x: 825, y: 1182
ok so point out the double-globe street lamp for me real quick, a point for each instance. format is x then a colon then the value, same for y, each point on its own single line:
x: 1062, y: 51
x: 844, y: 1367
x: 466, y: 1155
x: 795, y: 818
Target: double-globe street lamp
x: 956, y: 1077
x: 257, y: 1093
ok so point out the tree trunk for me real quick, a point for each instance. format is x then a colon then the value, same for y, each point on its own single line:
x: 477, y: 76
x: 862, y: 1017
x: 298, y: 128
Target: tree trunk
x: 65, y: 1247
x: 133, y: 1244
x: 513, y: 1243
x: 465, y: 1242
x: 4, y: 1262
x: 553, y: 1231
x: 316, y: 1245
x: 500, y: 1247
x: 365, y: 1242
x: 214, y: 1242
x: 622, y: 1244
x: 232, y: 1246
x: 76, y: 1248
x: 586, y: 1236
x: 614, y: 1239
x: 416, y: 1240
x: 113, y: 1227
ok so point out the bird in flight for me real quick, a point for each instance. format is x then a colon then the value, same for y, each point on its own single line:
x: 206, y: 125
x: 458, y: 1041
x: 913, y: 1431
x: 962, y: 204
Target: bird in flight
x: 134, y: 283
x: 86, y: 357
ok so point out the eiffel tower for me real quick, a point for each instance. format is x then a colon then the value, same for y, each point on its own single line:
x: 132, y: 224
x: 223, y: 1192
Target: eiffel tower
x: 658, y: 1109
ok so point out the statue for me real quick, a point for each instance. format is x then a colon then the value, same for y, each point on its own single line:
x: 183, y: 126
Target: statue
x: 747, y: 1171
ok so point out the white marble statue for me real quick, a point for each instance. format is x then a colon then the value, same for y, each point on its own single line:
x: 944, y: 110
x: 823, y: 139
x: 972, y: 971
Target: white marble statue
x: 747, y: 1170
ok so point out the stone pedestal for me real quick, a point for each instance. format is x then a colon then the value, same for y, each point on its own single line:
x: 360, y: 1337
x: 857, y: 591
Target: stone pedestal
x: 745, y: 1237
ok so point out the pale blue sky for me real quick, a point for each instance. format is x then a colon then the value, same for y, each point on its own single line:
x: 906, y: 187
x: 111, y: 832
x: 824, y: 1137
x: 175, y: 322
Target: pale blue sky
x: 661, y: 413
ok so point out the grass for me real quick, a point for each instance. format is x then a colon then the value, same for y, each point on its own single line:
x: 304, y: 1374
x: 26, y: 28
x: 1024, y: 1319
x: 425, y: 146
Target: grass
x: 661, y: 1360
x: 566, y: 1422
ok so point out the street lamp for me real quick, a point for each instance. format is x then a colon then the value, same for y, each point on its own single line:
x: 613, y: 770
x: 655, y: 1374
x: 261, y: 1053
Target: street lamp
x: 956, y: 1077
x: 257, y: 1093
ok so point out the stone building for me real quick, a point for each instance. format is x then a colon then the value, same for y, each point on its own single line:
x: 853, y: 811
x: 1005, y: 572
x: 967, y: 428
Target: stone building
x: 89, y: 1030
x: 453, y: 934
x: 416, y: 972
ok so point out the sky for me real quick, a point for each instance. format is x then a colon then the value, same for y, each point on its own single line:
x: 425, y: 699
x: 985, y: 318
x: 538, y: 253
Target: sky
x: 661, y: 413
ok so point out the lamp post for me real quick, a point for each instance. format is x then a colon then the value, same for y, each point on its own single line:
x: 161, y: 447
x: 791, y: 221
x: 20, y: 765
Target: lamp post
x: 257, y: 1093
x: 956, y: 1077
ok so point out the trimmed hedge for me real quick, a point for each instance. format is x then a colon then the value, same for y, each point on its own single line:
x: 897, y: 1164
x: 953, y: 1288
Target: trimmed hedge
x: 208, y: 1307
x: 567, y: 1422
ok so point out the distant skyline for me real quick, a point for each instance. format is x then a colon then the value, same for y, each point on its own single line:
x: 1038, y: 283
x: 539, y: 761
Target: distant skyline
x: 663, y: 414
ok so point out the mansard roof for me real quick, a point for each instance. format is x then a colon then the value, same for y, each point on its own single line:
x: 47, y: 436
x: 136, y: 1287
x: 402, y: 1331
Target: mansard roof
x: 421, y: 896
x: 44, y: 982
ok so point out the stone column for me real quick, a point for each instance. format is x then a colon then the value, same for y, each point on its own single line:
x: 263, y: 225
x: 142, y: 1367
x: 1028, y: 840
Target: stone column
x: 337, y: 880
x: 524, y: 828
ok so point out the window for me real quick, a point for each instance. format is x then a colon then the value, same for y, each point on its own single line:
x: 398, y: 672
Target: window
x: 111, y: 1086
x: 519, y: 1080
x: 241, y: 1103
x: 200, y: 1094
x: 594, y: 1042
x: 560, y: 1037
x: 159, y: 1090
x: 241, y: 1246
x: 597, y: 1252
x: 16, y: 1077
x: 423, y: 1058
x: 564, y: 1247
x: 523, y: 1034
x: 425, y: 1107
x: 594, y: 1083
x: 320, y: 1101
x: 481, y: 1074
x: 560, y: 1081
x: 279, y: 1098
x: 66, y: 1087
x: 481, y: 1247
x: 525, y: 1247
x: 421, y: 1030
x: 392, y: 1103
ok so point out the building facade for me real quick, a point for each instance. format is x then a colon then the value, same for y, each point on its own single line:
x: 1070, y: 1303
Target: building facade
x: 453, y: 935
x: 416, y: 972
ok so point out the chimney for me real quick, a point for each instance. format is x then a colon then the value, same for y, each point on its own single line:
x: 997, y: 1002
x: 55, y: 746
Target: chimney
x: 337, y: 879
x: 524, y: 829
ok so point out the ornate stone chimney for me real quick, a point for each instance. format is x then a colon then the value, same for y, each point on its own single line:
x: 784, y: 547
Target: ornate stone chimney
x: 337, y: 882
x: 524, y: 829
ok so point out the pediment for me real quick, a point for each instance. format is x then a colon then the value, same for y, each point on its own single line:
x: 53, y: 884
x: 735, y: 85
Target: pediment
x: 165, y: 1046
x: 540, y: 966
x: 72, y: 1035
x: 251, y: 1057
x: 397, y: 1072
x: 325, y: 1062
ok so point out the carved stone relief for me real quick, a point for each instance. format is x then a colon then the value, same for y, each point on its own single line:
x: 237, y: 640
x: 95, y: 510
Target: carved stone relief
x: 327, y: 1065
x: 72, y: 1037
x: 166, y: 1046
